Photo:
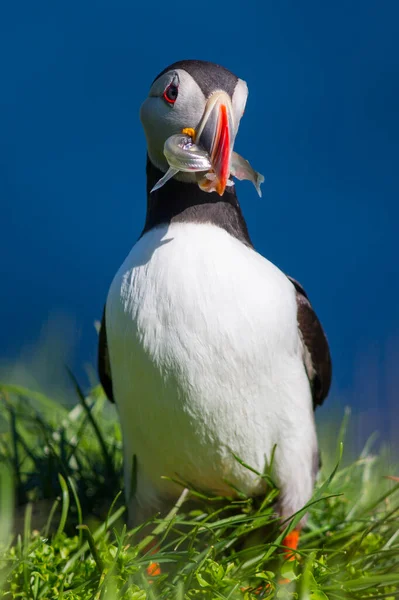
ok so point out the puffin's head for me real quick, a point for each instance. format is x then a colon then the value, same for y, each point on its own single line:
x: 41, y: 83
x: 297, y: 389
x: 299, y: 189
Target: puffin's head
x: 199, y: 98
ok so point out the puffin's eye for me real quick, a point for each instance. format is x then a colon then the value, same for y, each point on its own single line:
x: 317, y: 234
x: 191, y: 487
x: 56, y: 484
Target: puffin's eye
x: 171, y: 92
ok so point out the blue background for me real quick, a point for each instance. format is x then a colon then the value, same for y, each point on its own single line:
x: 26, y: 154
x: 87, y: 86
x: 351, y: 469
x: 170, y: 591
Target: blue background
x: 322, y: 124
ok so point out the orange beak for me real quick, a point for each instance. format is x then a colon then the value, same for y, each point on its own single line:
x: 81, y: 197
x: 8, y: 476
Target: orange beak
x: 215, y: 135
x: 220, y: 157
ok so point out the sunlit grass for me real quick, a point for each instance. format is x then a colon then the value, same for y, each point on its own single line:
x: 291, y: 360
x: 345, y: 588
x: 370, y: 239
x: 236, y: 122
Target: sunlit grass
x: 62, y: 532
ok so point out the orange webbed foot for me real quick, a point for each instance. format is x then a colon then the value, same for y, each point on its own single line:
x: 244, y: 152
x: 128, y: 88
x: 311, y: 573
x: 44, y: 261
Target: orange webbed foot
x: 153, y: 570
x: 291, y: 544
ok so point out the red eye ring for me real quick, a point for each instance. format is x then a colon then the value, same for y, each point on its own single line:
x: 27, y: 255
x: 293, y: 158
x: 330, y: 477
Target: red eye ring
x: 171, y: 93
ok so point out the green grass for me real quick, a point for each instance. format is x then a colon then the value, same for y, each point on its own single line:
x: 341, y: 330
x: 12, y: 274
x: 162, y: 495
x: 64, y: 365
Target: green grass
x: 62, y: 531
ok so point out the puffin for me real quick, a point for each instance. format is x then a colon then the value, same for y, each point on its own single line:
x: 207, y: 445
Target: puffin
x: 209, y: 351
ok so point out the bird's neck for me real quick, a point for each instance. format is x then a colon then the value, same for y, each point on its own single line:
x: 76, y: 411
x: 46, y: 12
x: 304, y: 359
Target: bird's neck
x: 180, y: 202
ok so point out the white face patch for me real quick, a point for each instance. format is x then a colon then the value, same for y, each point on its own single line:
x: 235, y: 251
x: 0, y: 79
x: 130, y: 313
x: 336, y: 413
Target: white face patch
x: 161, y: 120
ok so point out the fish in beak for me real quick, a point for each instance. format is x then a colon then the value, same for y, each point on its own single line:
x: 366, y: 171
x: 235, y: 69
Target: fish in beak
x: 208, y: 150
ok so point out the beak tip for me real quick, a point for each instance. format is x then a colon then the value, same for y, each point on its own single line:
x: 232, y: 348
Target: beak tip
x: 220, y: 188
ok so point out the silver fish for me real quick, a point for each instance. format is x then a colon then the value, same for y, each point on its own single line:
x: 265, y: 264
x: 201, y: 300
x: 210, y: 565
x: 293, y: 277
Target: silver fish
x: 241, y: 169
x: 183, y: 155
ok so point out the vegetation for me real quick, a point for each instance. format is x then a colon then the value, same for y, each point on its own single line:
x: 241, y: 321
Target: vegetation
x: 62, y: 531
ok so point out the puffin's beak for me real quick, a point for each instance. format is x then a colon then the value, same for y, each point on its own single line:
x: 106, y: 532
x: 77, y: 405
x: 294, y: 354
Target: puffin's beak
x: 215, y: 133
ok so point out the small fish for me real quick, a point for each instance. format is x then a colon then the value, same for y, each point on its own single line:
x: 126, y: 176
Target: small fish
x: 209, y: 182
x: 241, y: 169
x: 184, y: 155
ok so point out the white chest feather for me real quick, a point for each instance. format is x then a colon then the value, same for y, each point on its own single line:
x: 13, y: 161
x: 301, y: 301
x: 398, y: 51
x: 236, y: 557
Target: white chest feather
x: 206, y: 361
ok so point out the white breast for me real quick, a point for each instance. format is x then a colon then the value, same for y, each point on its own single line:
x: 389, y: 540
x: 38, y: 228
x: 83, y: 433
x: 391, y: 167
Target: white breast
x: 206, y: 361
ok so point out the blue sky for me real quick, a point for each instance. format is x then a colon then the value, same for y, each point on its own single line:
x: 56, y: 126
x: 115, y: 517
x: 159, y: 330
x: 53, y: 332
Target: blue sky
x: 322, y: 125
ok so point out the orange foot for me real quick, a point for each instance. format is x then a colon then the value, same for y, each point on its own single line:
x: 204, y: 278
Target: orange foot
x: 291, y: 543
x: 153, y: 570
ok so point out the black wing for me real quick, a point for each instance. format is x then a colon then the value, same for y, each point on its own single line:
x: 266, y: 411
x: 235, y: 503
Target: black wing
x: 317, y: 353
x: 104, y: 365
